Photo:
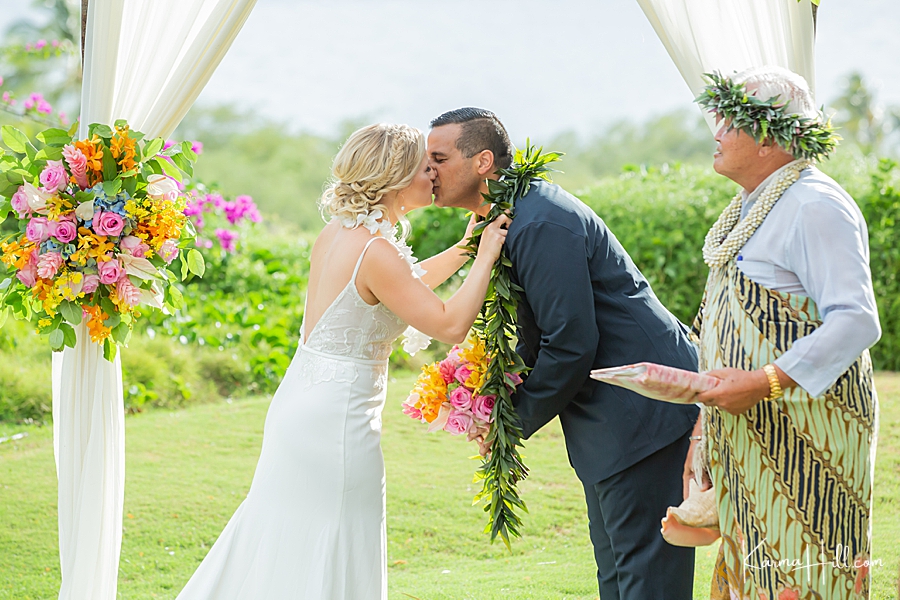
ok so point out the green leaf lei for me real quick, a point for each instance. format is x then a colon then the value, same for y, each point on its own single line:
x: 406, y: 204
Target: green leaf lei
x: 767, y: 119
x: 496, y: 324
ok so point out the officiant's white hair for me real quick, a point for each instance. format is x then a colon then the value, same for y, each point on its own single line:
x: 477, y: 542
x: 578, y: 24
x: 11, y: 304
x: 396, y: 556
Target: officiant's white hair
x: 374, y: 161
x: 771, y: 81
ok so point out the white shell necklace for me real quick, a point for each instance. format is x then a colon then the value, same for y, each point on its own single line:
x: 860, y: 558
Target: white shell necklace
x: 375, y: 222
x: 724, y: 240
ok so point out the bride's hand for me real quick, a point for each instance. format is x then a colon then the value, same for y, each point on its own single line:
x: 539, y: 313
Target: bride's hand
x: 473, y: 221
x: 493, y: 237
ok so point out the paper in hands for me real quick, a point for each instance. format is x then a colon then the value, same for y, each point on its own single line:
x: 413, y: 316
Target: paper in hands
x: 657, y: 381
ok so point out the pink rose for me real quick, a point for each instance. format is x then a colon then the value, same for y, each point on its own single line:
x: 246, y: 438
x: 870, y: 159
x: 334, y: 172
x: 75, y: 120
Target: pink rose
x: 48, y: 264
x: 134, y: 246
x: 78, y: 164
x: 19, y: 203
x: 110, y: 271
x: 461, y: 398
x: 128, y: 292
x: 54, y: 177
x: 168, y: 251
x: 65, y: 231
x: 462, y: 374
x: 448, y: 370
x: 458, y: 423
x: 483, y: 406
x: 90, y: 284
x: 38, y: 230
x: 108, y: 223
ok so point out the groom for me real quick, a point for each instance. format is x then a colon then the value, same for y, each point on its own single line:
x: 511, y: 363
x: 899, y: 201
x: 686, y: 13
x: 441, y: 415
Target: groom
x: 586, y: 306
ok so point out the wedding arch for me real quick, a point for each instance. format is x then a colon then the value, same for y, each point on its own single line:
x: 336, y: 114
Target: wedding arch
x: 146, y: 61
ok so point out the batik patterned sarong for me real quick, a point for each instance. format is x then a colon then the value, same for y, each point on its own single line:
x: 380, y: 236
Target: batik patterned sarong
x: 793, y: 475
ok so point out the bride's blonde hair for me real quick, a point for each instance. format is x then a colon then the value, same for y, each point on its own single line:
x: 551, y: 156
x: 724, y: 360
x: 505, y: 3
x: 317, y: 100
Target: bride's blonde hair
x: 374, y: 161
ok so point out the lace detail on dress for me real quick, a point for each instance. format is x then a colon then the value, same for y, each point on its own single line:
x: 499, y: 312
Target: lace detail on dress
x: 315, y: 369
x: 352, y: 328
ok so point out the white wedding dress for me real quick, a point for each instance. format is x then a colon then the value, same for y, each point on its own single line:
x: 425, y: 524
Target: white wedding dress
x: 313, y: 524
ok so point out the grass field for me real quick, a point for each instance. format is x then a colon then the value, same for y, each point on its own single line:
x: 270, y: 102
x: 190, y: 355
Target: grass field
x: 188, y: 470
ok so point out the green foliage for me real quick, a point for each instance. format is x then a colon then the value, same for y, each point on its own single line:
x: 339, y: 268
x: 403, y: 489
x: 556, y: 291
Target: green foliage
x: 881, y: 206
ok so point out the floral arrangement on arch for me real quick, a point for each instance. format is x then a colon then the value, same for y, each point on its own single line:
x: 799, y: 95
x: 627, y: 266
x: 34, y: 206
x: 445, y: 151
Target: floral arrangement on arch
x: 98, y: 231
x: 447, y: 393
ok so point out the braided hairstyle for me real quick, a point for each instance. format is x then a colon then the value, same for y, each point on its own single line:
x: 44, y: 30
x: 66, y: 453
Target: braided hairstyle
x: 374, y: 161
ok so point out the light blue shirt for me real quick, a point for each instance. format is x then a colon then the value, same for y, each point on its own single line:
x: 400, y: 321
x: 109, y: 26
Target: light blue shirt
x: 815, y: 243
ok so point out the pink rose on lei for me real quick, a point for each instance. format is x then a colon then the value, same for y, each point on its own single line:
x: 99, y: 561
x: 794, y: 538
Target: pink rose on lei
x: 461, y: 398
x: 65, y: 231
x: 483, y: 406
x: 19, y: 203
x: 108, y: 223
x: 168, y: 251
x: 110, y: 271
x: 458, y: 423
x: 448, y: 370
x: 38, y: 230
x: 463, y: 373
x: 134, y: 246
x: 128, y: 292
x: 54, y: 177
x: 48, y: 264
x: 90, y: 283
x: 28, y: 275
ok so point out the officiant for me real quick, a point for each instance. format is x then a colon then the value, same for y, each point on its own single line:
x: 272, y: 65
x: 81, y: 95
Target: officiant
x: 787, y: 319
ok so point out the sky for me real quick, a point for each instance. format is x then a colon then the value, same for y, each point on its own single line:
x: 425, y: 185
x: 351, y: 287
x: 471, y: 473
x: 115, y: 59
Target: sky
x: 543, y: 67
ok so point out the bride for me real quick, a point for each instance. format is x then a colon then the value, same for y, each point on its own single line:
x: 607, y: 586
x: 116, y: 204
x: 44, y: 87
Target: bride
x: 313, y: 524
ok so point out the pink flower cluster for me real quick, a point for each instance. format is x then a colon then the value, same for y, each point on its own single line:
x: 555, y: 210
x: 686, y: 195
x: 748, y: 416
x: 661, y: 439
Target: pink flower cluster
x: 37, y: 102
x: 214, y: 205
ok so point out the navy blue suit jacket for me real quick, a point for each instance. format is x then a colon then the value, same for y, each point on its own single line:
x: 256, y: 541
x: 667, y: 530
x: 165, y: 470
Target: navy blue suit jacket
x: 586, y: 306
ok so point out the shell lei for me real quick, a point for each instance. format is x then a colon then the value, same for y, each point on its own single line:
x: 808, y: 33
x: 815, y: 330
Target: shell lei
x: 727, y: 236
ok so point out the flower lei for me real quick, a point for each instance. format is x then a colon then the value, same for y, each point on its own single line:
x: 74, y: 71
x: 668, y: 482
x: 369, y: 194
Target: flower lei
x: 767, y: 119
x: 496, y: 325
x: 726, y: 237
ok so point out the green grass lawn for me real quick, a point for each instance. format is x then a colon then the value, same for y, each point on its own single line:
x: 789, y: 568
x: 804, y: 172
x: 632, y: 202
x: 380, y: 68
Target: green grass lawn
x: 188, y: 470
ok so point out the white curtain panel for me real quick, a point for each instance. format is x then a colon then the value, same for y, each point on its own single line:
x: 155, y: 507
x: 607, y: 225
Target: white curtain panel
x: 730, y: 35
x: 145, y: 61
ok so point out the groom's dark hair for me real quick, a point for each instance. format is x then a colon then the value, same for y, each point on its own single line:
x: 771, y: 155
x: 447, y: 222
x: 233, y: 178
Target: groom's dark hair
x: 481, y: 130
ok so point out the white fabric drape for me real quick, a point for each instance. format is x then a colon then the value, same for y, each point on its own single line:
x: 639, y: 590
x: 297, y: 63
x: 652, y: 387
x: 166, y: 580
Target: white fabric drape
x: 731, y: 35
x: 145, y: 61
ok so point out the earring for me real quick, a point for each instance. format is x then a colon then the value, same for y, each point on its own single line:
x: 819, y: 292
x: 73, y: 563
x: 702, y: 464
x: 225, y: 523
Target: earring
x: 402, y: 208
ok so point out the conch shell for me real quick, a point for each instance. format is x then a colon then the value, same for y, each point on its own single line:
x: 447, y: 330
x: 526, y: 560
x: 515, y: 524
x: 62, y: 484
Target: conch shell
x: 695, y: 522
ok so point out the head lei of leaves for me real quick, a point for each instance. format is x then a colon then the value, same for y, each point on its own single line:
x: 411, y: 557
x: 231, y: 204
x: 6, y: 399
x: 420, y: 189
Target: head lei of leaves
x: 767, y: 120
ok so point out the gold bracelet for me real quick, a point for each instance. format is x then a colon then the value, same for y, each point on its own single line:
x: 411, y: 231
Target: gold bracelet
x: 775, y: 390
